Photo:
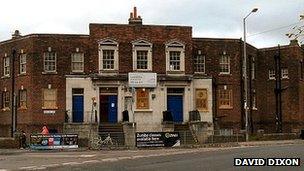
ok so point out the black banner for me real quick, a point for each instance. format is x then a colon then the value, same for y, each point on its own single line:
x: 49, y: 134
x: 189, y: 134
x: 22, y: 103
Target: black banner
x: 157, y: 139
x: 54, y: 141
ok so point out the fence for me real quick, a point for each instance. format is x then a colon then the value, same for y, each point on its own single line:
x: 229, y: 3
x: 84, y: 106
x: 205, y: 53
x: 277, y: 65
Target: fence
x: 209, y: 137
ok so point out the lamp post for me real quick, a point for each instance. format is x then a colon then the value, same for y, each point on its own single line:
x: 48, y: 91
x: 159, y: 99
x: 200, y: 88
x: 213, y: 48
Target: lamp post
x: 245, y: 73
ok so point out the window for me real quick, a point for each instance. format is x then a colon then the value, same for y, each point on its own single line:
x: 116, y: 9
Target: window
x: 77, y: 62
x: 225, y: 99
x: 201, y: 99
x: 50, y: 62
x: 108, y: 55
x: 175, y: 57
x: 5, y: 99
x: 284, y: 73
x: 224, y: 64
x: 49, y: 99
x: 22, y: 98
x: 142, y: 55
x: 142, y: 60
x: 252, y: 68
x: 271, y: 74
x: 142, y: 99
x: 199, y: 63
x: 254, y: 105
x: 6, y: 62
x: 108, y: 59
x: 22, y: 64
x: 175, y: 60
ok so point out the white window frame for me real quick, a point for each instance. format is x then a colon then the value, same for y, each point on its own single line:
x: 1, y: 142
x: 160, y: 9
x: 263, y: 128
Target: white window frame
x: 142, y: 45
x: 73, y: 62
x: 224, y: 54
x: 196, y: 63
x: 23, y: 63
x: 177, y: 46
x: 284, y: 73
x: 6, y: 66
x: 271, y: 74
x: 108, y: 44
x: 44, y: 62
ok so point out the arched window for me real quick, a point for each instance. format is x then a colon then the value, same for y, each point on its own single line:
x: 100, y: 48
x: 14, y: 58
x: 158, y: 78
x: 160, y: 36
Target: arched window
x: 108, y: 55
x: 142, y: 55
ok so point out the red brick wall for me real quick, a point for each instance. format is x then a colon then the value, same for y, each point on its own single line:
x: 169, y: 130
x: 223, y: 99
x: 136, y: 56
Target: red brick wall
x: 157, y: 35
x: 292, y: 97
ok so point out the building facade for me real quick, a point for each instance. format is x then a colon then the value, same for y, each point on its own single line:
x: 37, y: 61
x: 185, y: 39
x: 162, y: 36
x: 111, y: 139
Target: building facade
x: 58, y: 78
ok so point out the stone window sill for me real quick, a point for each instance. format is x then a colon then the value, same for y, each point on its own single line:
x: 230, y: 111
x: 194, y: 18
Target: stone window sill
x: 144, y: 110
x: 6, y: 76
x: 226, y: 108
x: 49, y: 108
x: 49, y: 73
x: 6, y: 109
x: 22, y: 74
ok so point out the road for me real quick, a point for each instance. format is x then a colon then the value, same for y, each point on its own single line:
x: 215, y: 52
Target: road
x: 151, y: 160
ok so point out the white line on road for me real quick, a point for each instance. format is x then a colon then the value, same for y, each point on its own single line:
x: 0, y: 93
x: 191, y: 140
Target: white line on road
x: 70, y: 163
x: 27, y: 167
x: 87, y: 155
x: 91, y: 161
x: 109, y: 160
x: 124, y: 158
x: 51, y: 165
x: 3, y: 170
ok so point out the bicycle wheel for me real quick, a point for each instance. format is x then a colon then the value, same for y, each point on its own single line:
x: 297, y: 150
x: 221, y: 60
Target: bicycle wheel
x: 95, y: 144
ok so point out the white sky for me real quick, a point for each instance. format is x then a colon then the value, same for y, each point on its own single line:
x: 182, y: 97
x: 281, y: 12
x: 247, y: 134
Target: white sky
x: 209, y: 18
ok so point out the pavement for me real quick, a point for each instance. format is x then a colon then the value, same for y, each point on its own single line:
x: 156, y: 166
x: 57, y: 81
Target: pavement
x: 215, y: 145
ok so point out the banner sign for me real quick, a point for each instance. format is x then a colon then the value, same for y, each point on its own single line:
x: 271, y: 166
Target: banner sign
x: 54, y: 141
x: 141, y: 79
x: 157, y: 139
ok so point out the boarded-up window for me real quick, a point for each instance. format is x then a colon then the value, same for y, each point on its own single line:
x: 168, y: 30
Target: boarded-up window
x: 225, y: 99
x: 201, y: 99
x: 142, y: 99
x: 49, y: 98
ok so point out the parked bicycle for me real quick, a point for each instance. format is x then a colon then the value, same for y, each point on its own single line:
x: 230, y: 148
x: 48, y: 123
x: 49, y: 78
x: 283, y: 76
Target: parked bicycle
x: 97, y: 143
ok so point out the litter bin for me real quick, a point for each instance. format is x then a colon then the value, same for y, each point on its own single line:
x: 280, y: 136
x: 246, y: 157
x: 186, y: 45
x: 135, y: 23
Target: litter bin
x: 302, y: 134
x: 167, y: 116
x: 125, y: 116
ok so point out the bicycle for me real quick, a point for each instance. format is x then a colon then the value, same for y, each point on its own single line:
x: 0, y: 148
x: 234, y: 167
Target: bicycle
x: 97, y: 143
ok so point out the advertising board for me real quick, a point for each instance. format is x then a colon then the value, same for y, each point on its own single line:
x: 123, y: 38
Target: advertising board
x: 157, y: 139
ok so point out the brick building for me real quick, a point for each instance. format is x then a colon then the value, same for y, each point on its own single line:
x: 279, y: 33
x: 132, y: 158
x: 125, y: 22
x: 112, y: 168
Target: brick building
x: 60, y: 75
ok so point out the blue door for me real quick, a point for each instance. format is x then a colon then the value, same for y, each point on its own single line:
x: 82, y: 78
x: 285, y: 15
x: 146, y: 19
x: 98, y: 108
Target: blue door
x: 175, y: 105
x: 112, y: 109
x: 77, y: 108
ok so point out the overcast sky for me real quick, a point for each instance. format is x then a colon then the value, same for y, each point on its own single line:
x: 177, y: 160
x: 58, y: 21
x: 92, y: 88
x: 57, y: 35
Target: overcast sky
x: 209, y: 18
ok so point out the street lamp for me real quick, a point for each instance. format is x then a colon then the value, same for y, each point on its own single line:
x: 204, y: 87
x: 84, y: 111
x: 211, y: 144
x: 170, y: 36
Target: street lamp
x: 245, y: 73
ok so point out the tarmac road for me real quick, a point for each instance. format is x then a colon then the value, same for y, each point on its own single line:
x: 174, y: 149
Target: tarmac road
x: 160, y: 159
x: 201, y: 160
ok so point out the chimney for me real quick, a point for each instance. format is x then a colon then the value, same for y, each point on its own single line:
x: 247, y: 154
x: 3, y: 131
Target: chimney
x: 294, y: 42
x: 134, y: 19
x: 16, y: 34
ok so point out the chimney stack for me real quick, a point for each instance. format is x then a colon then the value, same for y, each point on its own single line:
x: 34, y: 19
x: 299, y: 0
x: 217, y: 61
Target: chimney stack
x: 294, y: 42
x: 16, y: 34
x: 134, y: 19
